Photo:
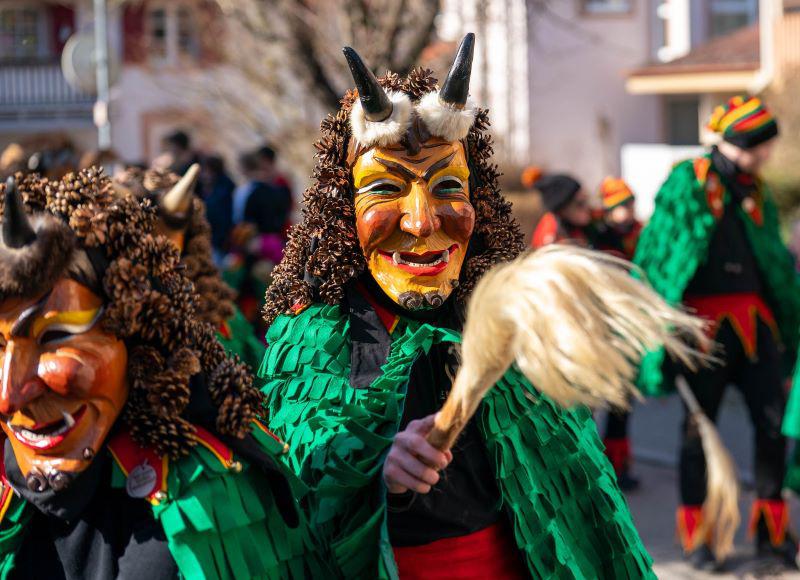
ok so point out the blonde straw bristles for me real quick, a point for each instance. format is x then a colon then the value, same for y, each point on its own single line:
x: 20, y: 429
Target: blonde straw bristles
x: 576, y: 323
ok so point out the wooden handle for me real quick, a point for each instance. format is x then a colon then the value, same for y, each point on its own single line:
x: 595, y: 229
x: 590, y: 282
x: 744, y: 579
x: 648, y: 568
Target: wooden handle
x: 447, y: 427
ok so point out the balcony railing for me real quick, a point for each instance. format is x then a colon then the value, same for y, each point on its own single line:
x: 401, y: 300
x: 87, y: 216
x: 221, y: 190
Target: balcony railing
x: 38, y: 90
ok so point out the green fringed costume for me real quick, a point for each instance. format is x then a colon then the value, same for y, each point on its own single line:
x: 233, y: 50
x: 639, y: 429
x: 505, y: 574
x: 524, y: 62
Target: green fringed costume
x: 675, y: 242
x: 215, y: 508
x: 558, y: 490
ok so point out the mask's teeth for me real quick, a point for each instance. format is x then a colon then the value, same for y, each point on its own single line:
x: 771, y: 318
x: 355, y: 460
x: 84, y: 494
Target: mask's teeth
x: 68, y: 419
x: 396, y: 259
x: 446, y: 256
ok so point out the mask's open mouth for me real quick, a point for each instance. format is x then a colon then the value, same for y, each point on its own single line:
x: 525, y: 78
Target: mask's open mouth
x: 47, y: 435
x: 426, y: 264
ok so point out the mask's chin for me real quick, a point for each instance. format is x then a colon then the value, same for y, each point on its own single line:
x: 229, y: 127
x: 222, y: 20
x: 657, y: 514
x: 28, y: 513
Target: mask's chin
x: 55, y: 469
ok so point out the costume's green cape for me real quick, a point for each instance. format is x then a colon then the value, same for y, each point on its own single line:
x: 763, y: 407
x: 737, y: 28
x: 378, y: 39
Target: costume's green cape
x: 237, y: 337
x: 675, y: 243
x: 220, y: 521
x: 568, y: 516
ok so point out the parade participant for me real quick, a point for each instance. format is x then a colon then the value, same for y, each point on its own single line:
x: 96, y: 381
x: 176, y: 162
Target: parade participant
x: 402, y: 221
x: 619, y: 214
x: 570, y: 217
x: 182, y: 219
x: 132, y: 442
x: 713, y: 243
x: 620, y: 219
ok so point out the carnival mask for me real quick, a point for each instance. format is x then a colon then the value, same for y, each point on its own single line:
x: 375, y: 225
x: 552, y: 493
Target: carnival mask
x: 414, y: 219
x: 174, y: 205
x: 410, y: 174
x: 63, y: 381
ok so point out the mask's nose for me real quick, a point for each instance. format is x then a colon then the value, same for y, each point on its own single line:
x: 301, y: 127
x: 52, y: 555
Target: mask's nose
x: 419, y: 216
x: 20, y: 383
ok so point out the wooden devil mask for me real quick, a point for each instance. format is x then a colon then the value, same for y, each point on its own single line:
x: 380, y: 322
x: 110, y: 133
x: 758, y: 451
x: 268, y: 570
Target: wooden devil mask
x: 97, y: 329
x: 411, y: 182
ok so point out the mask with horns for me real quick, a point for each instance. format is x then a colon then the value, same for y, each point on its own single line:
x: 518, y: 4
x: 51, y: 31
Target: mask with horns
x: 404, y: 190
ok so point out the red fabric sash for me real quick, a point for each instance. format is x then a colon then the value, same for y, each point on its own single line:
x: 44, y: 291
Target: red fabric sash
x: 742, y: 310
x: 488, y: 553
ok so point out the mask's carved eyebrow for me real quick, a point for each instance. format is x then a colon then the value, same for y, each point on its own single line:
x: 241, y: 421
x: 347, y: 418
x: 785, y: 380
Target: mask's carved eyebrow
x: 22, y: 326
x: 404, y: 171
x: 442, y: 163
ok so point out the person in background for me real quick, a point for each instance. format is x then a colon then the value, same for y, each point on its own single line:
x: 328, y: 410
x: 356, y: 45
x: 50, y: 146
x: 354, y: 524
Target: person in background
x: 569, y: 215
x: 260, y: 215
x: 623, y: 230
x: 217, y: 188
x: 714, y: 244
x: 619, y: 214
x: 275, y: 179
x: 177, y: 147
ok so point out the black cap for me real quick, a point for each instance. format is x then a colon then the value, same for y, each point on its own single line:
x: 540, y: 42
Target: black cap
x: 557, y: 190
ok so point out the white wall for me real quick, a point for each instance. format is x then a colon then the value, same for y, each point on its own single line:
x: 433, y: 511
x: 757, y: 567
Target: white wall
x: 500, y: 68
x: 581, y: 114
x: 646, y: 166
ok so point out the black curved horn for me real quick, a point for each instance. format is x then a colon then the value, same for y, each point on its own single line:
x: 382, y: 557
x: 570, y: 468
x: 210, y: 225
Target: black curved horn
x: 376, y: 104
x: 455, y: 89
x: 17, y: 230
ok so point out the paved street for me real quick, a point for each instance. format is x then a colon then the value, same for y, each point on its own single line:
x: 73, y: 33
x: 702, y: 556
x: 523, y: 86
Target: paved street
x: 655, y: 440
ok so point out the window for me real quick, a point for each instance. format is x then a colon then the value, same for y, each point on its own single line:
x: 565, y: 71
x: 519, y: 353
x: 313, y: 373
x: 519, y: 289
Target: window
x: 730, y: 15
x: 20, y: 33
x: 601, y: 7
x: 171, y: 33
x: 683, y: 121
x: 187, y: 39
x: 157, y: 34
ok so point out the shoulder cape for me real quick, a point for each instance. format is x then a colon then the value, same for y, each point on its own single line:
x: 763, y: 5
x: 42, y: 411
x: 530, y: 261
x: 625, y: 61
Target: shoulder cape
x: 568, y: 516
x: 216, y: 509
x: 675, y: 242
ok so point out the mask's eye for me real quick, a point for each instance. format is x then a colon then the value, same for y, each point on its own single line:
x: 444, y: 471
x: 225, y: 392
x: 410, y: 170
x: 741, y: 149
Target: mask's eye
x: 61, y: 331
x: 447, y: 185
x: 382, y: 187
x: 54, y: 336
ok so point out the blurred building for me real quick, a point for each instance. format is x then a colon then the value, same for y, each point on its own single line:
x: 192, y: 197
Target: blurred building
x: 158, y: 44
x: 707, y: 52
x: 602, y: 87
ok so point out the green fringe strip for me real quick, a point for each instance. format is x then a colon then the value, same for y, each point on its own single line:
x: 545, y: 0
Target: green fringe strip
x: 224, y: 524
x: 570, y: 519
x: 12, y: 533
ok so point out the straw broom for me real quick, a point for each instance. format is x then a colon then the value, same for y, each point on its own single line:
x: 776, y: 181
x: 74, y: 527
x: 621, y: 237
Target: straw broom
x: 721, y: 508
x: 577, y: 324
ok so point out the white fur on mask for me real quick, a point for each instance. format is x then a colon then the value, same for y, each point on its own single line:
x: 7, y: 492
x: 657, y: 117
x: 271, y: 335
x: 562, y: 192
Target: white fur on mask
x: 382, y: 133
x: 446, y: 121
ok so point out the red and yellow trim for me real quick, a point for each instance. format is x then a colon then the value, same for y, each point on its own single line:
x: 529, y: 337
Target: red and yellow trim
x: 689, y: 524
x: 388, y: 318
x: 128, y: 455
x: 225, y: 330
x: 263, y: 428
x: 743, y: 311
x: 776, y: 515
x: 5, y: 500
x: 217, y: 448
